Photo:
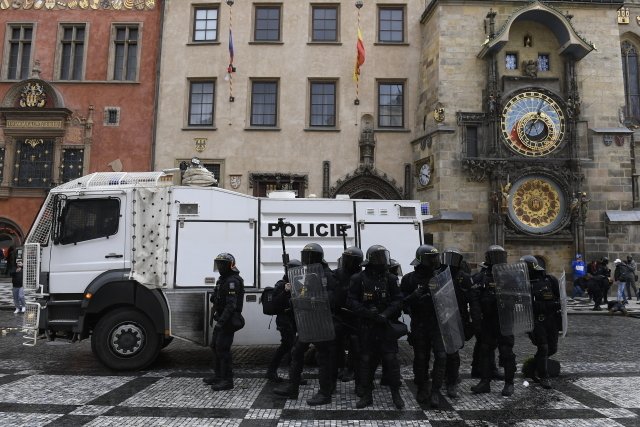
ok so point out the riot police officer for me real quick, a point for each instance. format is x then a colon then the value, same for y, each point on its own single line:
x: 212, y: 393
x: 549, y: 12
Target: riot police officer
x: 545, y: 292
x: 375, y: 298
x: 425, y: 331
x: 285, y: 323
x: 462, y: 284
x: 227, y: 300
x: 484, y: 315
x: 313, y: 253
x: 346, y: 338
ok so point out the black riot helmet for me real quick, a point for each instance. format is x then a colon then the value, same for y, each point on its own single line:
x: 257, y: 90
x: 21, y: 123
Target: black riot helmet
x: 312, y: 253
x: 605, y: 260
x: 225, y: 263
x: 427, y: 256
x: 534, y: 268
x: 377, y: 255
x: 495, y: 255
x: 395, y: 268
x: 351, y: 259
x: 452, y: 257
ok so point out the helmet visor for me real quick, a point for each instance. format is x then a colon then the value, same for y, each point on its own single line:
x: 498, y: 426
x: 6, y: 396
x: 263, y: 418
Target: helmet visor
x: 452, y: 259
x: 350, y: 263
x: 310, y: 257
x: 379, y: 258
x: 496, y: 257
x: 221, y: 266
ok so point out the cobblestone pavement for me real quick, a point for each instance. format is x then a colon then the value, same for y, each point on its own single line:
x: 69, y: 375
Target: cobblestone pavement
x: 62, y: 384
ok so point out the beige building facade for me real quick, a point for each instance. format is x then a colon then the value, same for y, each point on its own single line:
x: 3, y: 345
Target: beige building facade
x: 514, y: 120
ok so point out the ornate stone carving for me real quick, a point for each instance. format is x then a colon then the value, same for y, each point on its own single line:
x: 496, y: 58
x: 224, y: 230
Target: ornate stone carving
x: 367, y: 182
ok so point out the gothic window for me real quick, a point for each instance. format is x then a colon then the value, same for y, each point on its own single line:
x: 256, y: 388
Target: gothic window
x: 631, y: 83
x: 34, y: 163
x: 543, y: 62
x: 20, y: 37
x: 125, y: 53
x: 72, y: 164
x: 511, y: 61
x: 72, y: 52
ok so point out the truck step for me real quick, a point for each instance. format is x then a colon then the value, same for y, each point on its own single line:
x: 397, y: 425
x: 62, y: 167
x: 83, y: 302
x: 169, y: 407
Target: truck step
x: 65, y: 302
x: 63, y: 322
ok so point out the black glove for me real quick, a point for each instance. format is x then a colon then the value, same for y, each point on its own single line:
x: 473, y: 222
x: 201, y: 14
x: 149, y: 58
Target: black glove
x: 419, y: 292
x: 217, y: 328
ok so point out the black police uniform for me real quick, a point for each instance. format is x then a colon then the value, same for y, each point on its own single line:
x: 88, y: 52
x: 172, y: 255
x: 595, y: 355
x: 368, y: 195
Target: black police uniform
x: 286, y: 325
x: 345, y: 323
x: 325, y: 355
x: 375, y: 298
x: 547, y: 321
x: 484, y: 312
x: 462, y: 284
x: 425, y: 333
x: 227, y: 300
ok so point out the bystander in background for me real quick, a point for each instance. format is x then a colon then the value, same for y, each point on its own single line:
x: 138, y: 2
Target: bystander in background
x: 579, y: 271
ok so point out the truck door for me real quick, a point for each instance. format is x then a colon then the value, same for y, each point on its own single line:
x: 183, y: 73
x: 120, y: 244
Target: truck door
x: 89, y: 240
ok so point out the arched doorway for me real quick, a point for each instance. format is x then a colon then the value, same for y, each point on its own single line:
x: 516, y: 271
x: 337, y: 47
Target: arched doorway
x: 367, y: 183
x: 11, y: 236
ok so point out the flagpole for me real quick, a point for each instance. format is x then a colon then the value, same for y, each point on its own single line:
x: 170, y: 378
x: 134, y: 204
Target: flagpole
x: 230, y: 69
x: 356, y: 73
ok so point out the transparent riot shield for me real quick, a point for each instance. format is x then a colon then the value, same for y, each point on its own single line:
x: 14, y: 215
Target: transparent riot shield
x: 562, y: 282
x: 310, y: 301
x: 445, y: 303
x: 513, y: 292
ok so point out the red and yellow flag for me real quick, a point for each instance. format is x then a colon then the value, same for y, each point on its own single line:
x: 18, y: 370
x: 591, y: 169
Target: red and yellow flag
x: 359, y: 56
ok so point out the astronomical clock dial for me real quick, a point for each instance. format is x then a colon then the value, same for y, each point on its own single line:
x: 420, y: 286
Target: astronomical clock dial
x: 533, y: 124
x: 537, y: 205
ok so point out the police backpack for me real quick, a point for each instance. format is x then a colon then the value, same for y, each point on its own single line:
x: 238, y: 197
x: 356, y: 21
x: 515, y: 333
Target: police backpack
x: 269, y: 306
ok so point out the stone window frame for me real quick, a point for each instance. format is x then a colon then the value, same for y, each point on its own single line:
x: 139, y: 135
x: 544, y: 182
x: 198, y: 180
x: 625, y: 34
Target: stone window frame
x: 20, y: 73
x: 108, y: 113
x: 548, y: 58
x: 310, y: 104
x: 60, y: 49
x: 515, y: 56
x: 379, y: 31
x: 194, y: 20
x: 388, y: 82
x: 112, y: 50
x: 320, y: 6
x: 251, y: 104
x: 264, y: 6
x: 213, y: 82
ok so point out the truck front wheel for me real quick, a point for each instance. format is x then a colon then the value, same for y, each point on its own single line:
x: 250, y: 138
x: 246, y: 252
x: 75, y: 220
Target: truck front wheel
x: 125, y: 340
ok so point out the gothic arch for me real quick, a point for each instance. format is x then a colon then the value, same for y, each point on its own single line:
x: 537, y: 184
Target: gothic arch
x: 367, y: 183
x: 10, y: 232
x: 572, y: 43
x: 12, y: 97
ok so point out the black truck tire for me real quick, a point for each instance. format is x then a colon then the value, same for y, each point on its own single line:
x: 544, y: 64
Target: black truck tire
x: 125, y: 340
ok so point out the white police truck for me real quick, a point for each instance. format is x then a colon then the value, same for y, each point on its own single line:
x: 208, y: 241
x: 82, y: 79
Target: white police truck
x: 127, y: 258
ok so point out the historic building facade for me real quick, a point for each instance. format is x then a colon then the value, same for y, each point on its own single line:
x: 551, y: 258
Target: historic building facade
x: 530, y: 118
x: 279, y: 107
x: 77, y: 91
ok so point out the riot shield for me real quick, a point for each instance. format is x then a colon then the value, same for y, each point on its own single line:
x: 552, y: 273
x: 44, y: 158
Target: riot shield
x: 310, y: 301
x: 513, y: 292
x: 562, y: 282
x: 445, y: 303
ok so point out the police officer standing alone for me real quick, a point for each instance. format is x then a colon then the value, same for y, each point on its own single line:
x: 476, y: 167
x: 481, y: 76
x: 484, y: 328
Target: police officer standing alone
x: 375, y: 298
x: 546, y: 316
x: 484, y: 313
x: 227, y: 300
x: 425, y: 330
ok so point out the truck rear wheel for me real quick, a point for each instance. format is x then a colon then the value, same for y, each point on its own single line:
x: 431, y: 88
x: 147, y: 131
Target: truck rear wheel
x: 125, y: 340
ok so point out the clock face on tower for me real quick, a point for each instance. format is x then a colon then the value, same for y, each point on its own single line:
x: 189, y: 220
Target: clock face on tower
x: 424, y: 175
x: 533, y: 124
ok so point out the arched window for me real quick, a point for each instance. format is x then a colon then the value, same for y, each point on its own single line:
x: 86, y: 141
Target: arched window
x: 631, y: 83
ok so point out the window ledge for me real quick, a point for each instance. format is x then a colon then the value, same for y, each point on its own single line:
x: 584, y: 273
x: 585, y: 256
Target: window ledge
x: 391, y: 44
x: 266, y: 42
x: 207, y: 43
x: 321, y: 129
x: 399, y: 130
x: 325, y: 43
x: 199, y: 128
x: 263, y: 128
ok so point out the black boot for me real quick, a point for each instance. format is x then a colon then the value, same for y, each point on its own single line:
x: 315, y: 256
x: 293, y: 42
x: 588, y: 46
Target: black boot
x: 434, y: 400
x: 365, y: 400
x: 396, y: 398
x: 423, y: 394
x: 273, y: 377
x: 211, y: 380
x: 484, y: 386
x: 508, y: 389
x: 319, y: 399
x: 545, y: 383
x: 347, y: 375
x: 289, y: 391
x: 225, y: 384
x: 452, y: 390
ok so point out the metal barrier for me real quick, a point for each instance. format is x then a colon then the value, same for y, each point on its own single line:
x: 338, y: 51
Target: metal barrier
x: 31, y: 320
x: 31, y: 267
